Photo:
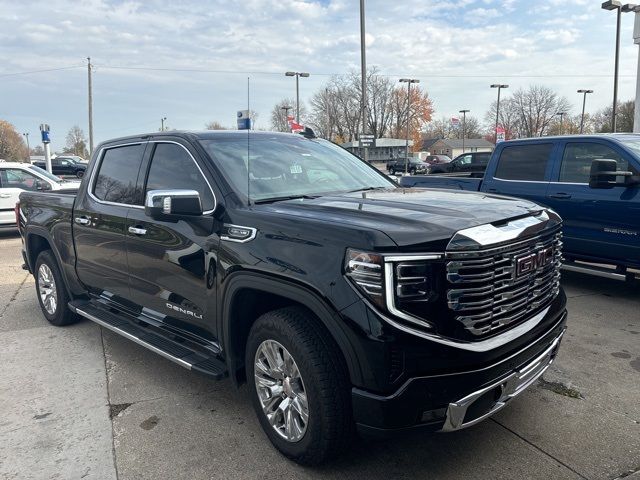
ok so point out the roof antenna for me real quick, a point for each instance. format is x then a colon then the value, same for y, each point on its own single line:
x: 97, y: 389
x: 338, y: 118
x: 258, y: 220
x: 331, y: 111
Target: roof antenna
x: 248, y: 145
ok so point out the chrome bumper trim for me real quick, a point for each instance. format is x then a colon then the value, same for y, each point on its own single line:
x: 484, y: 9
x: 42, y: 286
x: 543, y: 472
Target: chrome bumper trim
x: 510, y: 387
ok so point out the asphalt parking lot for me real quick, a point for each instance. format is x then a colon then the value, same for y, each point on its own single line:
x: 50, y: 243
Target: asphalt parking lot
x: 81, y: 402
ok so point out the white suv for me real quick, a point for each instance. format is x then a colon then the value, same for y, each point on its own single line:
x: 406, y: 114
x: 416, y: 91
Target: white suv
x: 19, y: 177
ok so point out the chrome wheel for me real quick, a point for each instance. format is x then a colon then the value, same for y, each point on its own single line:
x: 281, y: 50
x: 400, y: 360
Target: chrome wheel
x: 281, y: 390
x: 47, y: 289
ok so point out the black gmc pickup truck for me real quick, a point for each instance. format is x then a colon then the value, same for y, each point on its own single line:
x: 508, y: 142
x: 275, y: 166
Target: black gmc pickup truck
x: 343, y: 300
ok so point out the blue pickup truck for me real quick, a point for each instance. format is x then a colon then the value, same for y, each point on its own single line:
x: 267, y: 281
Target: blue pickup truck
x: 592, y: 181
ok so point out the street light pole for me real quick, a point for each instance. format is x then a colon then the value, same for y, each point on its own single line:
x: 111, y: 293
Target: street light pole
x: 162, y: 120
x: 499, y: 87
x: 584, y: 102
x: 26, y: 135
x: 464, y: 125
x: 615, y: 5
x: 286, y: 109
x: 408, y: 81
x: 561, y: 114
x: 297, y: 75
x: 636, y: 39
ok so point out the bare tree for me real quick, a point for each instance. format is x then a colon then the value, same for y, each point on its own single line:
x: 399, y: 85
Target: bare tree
x: 279, y: 122
x: 12, y: 145
x: 76, y: 142
x: 625, y: 112
x: 444, y: 128
x: 530, y: 112
x: 215, y: 125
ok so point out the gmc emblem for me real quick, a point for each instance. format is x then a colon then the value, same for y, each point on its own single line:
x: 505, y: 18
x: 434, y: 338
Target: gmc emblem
x: 528, y: 264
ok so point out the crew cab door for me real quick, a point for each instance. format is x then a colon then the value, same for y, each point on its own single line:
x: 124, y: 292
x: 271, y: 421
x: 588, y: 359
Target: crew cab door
x: 521, y: 170
x: 172, y: 261
x: 99, y: 216
x: 598, y: 223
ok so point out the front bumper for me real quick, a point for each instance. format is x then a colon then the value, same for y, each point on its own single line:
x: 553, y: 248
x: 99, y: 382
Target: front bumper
x: 457, y: 400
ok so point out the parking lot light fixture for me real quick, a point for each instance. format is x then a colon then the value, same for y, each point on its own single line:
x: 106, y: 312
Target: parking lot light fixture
x: 584, y: 102
x: 408, y: 81
x: 297, y: 75
x: 615, y: 5
x: 499, y: 86
x: 464, y: 125
x: 561, y: 115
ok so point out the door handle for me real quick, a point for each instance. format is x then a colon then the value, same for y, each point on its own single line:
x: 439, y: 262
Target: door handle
x: 560, y: 196
x: 82, y: 220
x: 137, y: 231
x: 5, y: 195
x: 492, y: 190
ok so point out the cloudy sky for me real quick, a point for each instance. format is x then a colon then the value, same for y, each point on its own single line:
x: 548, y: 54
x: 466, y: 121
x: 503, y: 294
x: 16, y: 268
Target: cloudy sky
x: 189, y: 60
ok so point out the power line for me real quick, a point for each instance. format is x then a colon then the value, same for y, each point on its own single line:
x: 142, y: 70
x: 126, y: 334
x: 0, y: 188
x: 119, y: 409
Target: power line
x: 328, y: 74
x: 40, y: 71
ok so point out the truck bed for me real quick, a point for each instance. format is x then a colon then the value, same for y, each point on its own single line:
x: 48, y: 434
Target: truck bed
x: 442, y: 181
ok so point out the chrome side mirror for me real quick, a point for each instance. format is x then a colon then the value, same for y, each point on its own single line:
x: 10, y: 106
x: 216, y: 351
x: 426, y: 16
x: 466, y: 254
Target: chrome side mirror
x: 172, y: 202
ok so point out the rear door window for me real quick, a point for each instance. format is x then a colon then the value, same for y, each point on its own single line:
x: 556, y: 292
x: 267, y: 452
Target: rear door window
x: 577, y: 158
x: 118, y: 174
x: 524, y: 162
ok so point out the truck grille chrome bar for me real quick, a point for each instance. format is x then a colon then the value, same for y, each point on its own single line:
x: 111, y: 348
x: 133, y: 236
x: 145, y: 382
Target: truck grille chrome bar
x: 492, y: 288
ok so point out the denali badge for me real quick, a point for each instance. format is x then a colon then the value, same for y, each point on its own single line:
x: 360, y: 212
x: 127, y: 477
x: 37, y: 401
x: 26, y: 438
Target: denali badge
x: 184, y: 311
x: 534, y: 261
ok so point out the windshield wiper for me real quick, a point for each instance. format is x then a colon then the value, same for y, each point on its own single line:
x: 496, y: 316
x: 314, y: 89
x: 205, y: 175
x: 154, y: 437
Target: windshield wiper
x: 285, y: 197
x: 366, y: 189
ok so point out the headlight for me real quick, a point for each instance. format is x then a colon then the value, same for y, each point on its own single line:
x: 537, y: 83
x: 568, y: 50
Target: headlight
x: 366, y: 271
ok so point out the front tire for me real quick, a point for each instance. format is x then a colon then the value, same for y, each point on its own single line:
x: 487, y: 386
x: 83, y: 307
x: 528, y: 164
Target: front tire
x: 299, y: 386
x: 392, y: 171
x: 52, y: 294
x: 80, y: 173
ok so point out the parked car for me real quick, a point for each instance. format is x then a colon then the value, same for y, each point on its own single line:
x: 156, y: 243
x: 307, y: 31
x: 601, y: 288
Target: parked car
x: 283, y: 261
x: 16, y: 178
x: 592, y: 181
x: 65, y: 166
x: 475, y: 162
x: 413, y: 166
x: 437, y: 159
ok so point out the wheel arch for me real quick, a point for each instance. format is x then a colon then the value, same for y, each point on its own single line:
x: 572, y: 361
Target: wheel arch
x: 249, y: 295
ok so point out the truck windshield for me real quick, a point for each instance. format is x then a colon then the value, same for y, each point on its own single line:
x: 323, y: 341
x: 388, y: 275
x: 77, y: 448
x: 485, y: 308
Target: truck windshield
x: 632, y: 143
x: 263, y: 167
x: 43, y: 172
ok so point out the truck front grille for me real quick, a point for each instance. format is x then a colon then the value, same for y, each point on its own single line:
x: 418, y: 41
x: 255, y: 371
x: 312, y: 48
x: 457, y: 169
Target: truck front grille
x: 490, y: 289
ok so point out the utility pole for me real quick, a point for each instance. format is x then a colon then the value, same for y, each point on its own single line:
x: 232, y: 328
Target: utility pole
x: 584, y: 102
x: 89, y: 68
x: 499, y: 87
x: 26, y: 135
x: 363, y: 74
x: 464, y: 125
x: 408, y: 81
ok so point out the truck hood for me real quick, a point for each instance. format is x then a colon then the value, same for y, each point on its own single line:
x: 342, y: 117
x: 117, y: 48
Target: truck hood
x: 411, y: 217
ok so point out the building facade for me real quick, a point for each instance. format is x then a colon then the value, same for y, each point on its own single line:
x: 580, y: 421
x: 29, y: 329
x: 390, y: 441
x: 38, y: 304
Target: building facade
x: 384, y: 150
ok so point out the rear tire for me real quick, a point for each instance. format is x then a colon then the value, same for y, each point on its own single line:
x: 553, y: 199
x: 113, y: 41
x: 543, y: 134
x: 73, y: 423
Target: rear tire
x: 412, y: 171
x: 292, y: 337
x: 80, y: 173
x: 51, y: 291
x: 392, y: 171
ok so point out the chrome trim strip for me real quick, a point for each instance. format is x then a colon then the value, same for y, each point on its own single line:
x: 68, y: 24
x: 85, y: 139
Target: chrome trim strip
x: 254, y: 232
x: 101, y: 156
x: 488, y: 234
x: 593, y: 271
x: 517, y: 181
x: 135, y: 339
x: 408, y: 382
x: 418, y: 256
x: 390, y: 300
x: 511, y: 387
x: 482, y: 345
